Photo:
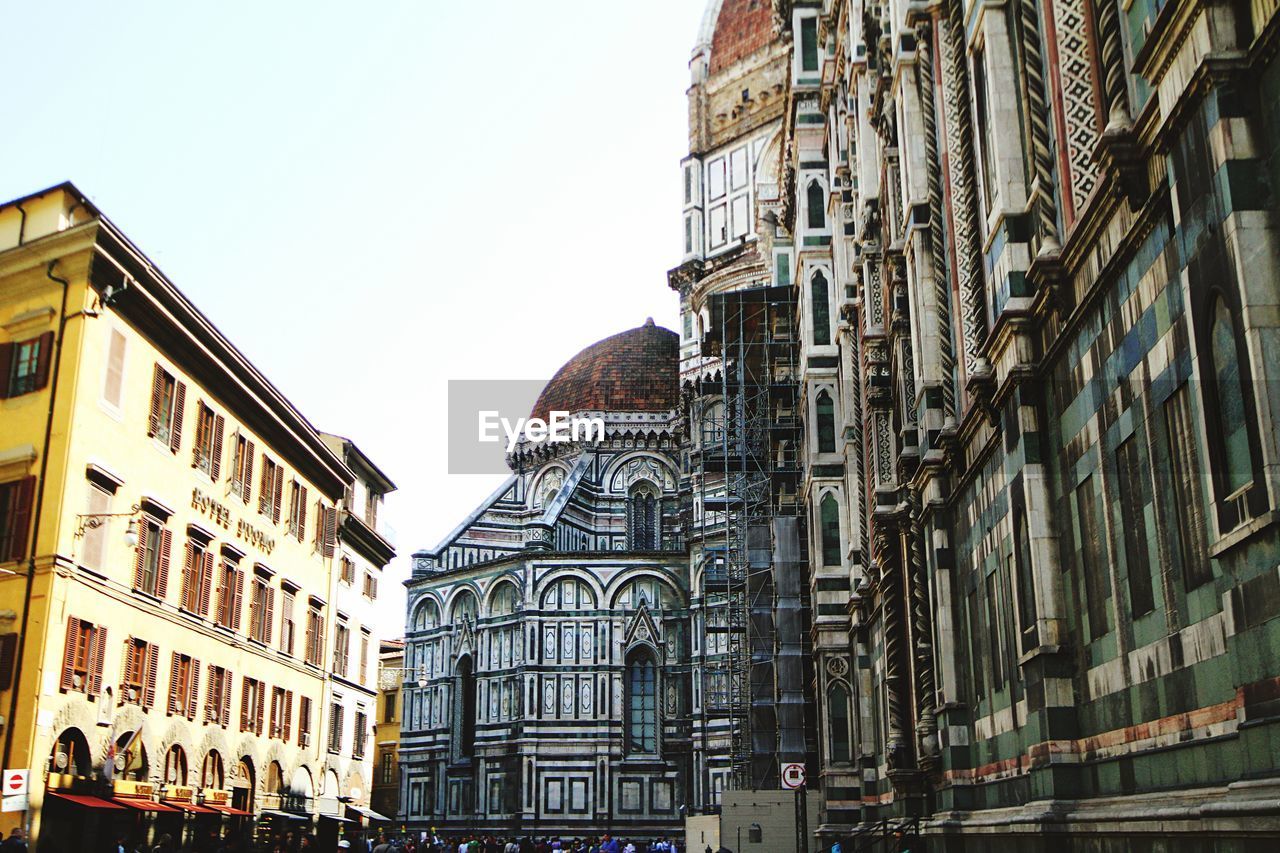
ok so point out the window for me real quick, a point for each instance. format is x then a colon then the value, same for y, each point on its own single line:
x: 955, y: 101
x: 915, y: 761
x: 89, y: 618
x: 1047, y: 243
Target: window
x: 82, y: 657
x: 315, y: 637
x: 24, y: 365
x: 370, y: 586
x: 1134, y: 486
x: 269, y: 497
x: 207, y: 453
x: 287, y: 629
x: 826, y: 417
x: 1092, y: 562
x: 15, y: 517
x: 1188, y: 510
x: 95, y: 538
x: 821, y: 310
x: 197, y: 578
x: 389, y: 706
x: 281, y: 713
x: 175, y: 766
x: 304, y: 721
x: 1026, y: 583
x: 348, y: 574
x: 364, y: 655
x: 360, y: 736
x: 838, y: 719
x: 298, y: 511
x: 211, y: 775
x: 151, y: 568
x: 995, y: 636
x: 341, y: 647
x: 230, y: 596
x: 261, y: 611
x: 252, y: 701
x: 113, y: 382
x: 326, y: 529
x: 643, y: 518
x: 168, y: 396
x: 242, y: 468
x: 371, y: 508
x: 808, y: 44
x: 217, y: 704
x: 336, y: 712
x: 642, y: 703
x: 184, y: 686
x: 816, y: 205
x: 141, y: 666
x: 465, y: 706
x: 387, y: 767
x: 829, y: 509
x: 982, y: 121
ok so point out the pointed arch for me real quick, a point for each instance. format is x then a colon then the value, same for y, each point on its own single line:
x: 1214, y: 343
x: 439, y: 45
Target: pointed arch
x: 816, y: 205
x: 642, y: 701
x: 825, y: 416
x: 820, y: 307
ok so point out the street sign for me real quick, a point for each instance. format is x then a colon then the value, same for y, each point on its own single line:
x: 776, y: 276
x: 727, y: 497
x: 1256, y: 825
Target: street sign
x: 15, y: 803
x: 15, y: 782
x: 792, y: 776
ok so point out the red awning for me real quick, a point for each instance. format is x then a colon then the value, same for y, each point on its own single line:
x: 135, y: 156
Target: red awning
x: 86, y: 801
x: 228, y: 810
x: 188, y: 807
x: 144, y: 805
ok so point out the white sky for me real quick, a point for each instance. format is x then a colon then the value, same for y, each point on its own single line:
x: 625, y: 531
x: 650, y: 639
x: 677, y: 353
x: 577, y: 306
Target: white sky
x: 373, y: 198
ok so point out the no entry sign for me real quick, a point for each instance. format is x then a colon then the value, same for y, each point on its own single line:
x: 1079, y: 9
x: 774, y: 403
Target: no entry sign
x: 15, y: 782
x: 792, y: 776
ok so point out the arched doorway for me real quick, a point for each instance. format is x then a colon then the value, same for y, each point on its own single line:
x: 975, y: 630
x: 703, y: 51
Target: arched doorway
x: 70, y: 755
x: 242, y: 784
x: 131, y: 761
x: 273, y: 791
x: 301, y: 792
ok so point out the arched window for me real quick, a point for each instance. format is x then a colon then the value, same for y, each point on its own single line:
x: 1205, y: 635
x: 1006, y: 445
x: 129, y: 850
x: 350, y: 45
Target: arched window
x: 642, y: 518
x: 211, y: 773
x: 1237, y: 458
x: 465, y: 707
x: 426, y: 617
x: 830, y: 512
x: 839, y: 739
x: 71, y: 754
x: 647, y: 591
x: 826, y: 423
x: 821, y: 310
x: 642, y: 703
x: 568, y: 594
x: 175, y: 766
x: 504, y: 600
x: 713, y: 424
x: 464, y: 608
x: 275, y: 778
x: 817, y: 205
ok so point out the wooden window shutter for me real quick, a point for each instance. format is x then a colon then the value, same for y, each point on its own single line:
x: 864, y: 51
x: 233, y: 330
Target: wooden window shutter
x: 43, y: 359
x: 237, y: 595
x: 157, y: 397
x: 153, y: 670
x: 6, y: 365
x: 20, y: 517
x: 210, y: 713
x: 201, y: 408
x: 223, y: 617
x: 162, y: 570
x: 215, y: 463
x: 277, y: 494
x: 130, y: 660
x: 69, y: 653
x: 206, y: 583
x: 179, y: 402
x: 265, y: 487
x: 271, y: 615
x: 244, y: 704
x: 301, y: 511
x: 193, y: 690
x: 190, y: 575
x: 8, y: 647
x: 140, y: 556
x: 226, y: 697
x: 330, y: 530
x: 288, y: 715
x: 261, y: 703
x: 175, y: 701
x: 246, y: 484
x: 97, y: 649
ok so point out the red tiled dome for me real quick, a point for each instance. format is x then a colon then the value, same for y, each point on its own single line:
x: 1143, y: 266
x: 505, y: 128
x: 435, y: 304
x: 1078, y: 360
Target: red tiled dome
x: 743, y: 27
x: 633, y: 371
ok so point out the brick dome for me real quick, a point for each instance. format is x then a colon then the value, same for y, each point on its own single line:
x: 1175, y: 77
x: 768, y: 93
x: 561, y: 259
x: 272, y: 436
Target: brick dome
x: 633, y: 371
x: 742, y: 28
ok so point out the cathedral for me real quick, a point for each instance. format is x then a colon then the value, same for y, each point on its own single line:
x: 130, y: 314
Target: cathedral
x: 958, y: 485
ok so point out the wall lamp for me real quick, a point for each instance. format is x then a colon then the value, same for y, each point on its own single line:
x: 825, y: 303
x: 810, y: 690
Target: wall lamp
x: 93, y: 520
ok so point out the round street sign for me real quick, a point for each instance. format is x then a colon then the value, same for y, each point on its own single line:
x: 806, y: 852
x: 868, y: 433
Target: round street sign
x: 15, y: 782
x: 792, y: 776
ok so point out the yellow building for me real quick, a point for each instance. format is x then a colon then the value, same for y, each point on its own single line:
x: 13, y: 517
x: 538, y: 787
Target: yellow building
x: 168, y: 526
x: 386, y: 770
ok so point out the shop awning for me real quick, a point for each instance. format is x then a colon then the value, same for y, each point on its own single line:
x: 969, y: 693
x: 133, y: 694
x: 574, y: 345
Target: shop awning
x: 369, y: 813
x: 87, y: 801
x: 228, y: 810
x: 144, y: 805
x: 285, y: 815
x: 338, y: 818
x: 189, y: 807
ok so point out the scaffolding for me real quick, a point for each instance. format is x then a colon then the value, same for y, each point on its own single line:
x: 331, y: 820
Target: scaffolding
x: 747, y: 470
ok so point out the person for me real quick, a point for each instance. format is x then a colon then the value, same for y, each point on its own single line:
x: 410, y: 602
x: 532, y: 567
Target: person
x: 630, y: 848
x: 610, y: 844
x: 344, y: 844
x: 383, y: 846
x: 16, y: 842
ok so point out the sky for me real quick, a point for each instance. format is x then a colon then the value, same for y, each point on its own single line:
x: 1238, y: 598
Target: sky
x: 371, y: 199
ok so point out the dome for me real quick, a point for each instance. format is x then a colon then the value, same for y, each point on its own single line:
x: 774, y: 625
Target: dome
x: 742, y: 28
x: 632, y: 371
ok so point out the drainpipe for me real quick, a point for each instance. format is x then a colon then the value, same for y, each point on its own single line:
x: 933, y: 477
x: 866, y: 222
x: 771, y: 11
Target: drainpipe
x: 22, y: 223
x: 35, y: 529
